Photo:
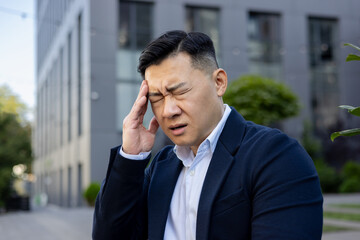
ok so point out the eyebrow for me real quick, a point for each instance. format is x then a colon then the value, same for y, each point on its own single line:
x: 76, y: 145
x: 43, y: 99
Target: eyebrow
x: 169, y: 89
x: 173, y: 88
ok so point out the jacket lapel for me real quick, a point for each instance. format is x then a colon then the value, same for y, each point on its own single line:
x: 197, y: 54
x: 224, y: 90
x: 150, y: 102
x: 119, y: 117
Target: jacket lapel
x: 220, y: 164
x: 160, y: 193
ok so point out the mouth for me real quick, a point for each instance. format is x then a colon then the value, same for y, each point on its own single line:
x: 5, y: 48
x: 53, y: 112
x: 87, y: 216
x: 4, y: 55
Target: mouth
x: 178, y: 129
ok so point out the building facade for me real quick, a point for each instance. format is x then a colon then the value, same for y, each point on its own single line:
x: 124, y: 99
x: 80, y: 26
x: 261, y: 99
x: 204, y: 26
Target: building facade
x: 87, y: 54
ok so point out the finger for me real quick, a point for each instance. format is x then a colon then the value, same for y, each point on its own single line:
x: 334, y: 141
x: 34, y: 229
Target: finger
x: 143, y: 90
x: 139, y: 109
x: 153, y: 126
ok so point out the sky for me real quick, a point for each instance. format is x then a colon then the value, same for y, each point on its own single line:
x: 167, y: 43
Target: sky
x: 17, y: 49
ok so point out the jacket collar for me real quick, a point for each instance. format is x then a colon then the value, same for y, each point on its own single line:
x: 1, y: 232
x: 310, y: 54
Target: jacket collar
x: 219, y: 166
x: 160, y: 193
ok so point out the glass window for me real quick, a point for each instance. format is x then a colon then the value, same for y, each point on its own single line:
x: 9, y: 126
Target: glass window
x: 61, y: 85
x: 264, y: 44
x: 80, y: 86
x: 324, y: 73
x: 126, y: 93
x: 134, y: 33
x: 204, y: 20
x: 69, y: 82
x: 135, y: 26
x: 69, y: 188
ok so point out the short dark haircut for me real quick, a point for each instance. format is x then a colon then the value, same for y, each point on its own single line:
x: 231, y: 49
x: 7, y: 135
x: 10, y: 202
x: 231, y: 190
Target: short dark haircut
x: 198, y: 45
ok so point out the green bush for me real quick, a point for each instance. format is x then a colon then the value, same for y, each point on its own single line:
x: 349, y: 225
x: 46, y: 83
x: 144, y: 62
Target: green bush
x: 91, y: 193
x: 350, y: 185
x: 351, y: 169
x: 5, y: 184
x: 351, y: 176
x: 261, y: 100
x: 329, y: 178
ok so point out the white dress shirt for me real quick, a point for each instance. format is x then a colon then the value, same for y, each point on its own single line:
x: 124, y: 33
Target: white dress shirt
x: 182, y: 217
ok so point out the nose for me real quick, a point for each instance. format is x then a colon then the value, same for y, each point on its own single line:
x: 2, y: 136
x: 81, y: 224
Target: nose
x: 171, y: 109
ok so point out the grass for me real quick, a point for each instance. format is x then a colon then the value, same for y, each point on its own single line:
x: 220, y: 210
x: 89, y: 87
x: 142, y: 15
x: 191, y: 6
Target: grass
x: 343, y: 216
x: 330, y: 228
x: 346, y: 205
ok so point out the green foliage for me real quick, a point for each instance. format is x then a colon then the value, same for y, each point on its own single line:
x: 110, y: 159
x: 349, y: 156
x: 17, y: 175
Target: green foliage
x: 15, y: 139
x: 351, y: 169
x: 329, y: 179
x: 345, y: 133
x: 91, y: 193
x: 350, y: 185
x: 261, y: 100
x: 5, y: 179
x: 351, y: 176
x: 10, y: 103
x: 352, y: 57
x: 353, y: 110
x: 347, y: 181
x: 350, y: 132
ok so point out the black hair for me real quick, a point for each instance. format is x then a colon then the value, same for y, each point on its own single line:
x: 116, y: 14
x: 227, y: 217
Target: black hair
x: 198, y: 45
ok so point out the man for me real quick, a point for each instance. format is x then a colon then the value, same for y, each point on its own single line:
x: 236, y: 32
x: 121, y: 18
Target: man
x: 226, y: 178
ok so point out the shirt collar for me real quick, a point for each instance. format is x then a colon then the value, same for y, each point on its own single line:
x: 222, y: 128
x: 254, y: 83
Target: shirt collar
x: 184, y: 153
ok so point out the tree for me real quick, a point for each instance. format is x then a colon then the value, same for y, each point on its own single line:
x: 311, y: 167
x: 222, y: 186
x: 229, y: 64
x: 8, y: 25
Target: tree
x: 261, y: 100
x: 15, y: 139
x: 10, y: 103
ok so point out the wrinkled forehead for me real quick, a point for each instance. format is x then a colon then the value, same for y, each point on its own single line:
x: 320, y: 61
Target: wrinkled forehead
x: 169, y: 71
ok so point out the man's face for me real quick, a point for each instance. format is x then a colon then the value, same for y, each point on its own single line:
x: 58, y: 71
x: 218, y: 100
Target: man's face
x: 185, y: 101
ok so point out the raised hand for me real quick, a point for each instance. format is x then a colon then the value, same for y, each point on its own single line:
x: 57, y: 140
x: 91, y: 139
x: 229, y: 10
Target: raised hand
x: 136, y: 138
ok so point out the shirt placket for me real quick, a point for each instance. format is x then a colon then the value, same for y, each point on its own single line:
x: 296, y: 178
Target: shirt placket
x: 188, y: 183
x: 191, y: 188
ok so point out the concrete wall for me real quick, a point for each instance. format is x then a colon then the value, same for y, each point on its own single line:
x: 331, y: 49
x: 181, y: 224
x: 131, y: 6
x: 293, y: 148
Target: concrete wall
x: 104, y: 22
x: 55, y: 152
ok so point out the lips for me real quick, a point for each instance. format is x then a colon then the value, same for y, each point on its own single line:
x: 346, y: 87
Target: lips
x: 177, y: 126
x: 177, y: 129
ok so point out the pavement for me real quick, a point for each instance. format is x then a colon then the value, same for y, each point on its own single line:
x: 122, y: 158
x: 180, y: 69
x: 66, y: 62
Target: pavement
x: 57, y: 223
x: 329, y: 200
x: 47, y: 223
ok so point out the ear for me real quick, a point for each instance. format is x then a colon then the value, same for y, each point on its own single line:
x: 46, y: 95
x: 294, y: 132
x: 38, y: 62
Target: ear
x: 220, y: 77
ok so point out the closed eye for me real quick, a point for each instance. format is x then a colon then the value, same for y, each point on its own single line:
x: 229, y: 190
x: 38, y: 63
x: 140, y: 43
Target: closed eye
x: 154, y: 99
x: 181, y: 92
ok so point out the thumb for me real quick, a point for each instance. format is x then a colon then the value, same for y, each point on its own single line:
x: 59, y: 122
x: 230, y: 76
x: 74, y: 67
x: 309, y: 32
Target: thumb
x: 153, y: 126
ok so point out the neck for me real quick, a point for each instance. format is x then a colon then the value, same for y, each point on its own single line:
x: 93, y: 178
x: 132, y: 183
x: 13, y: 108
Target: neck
x: 195, y: 148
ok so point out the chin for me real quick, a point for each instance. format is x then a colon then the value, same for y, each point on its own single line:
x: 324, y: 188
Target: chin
x: 183, y: 143
x: 179, y: 142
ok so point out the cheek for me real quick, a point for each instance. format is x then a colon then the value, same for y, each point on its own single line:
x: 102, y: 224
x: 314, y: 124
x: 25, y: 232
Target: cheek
x: 156, y: 109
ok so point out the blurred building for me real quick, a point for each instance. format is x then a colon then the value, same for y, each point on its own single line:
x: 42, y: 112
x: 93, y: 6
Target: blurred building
x: 87, y: 54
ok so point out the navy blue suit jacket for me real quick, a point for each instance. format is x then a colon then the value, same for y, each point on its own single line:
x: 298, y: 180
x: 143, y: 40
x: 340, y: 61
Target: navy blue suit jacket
x: 260, y: 184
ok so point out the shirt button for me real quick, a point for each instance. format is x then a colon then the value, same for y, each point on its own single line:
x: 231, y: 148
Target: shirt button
x: 192, y: 173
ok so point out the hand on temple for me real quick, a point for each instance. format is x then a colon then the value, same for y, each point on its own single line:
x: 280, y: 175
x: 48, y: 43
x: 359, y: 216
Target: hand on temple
x: 136, y: 138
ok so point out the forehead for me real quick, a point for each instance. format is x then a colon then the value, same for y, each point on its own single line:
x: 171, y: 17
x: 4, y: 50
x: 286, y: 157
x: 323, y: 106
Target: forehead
x: 171, y: 70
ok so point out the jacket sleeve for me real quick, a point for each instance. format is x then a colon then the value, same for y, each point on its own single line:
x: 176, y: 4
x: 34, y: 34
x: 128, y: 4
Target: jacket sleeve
x: 121, y: 205
x: 287, y: 199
